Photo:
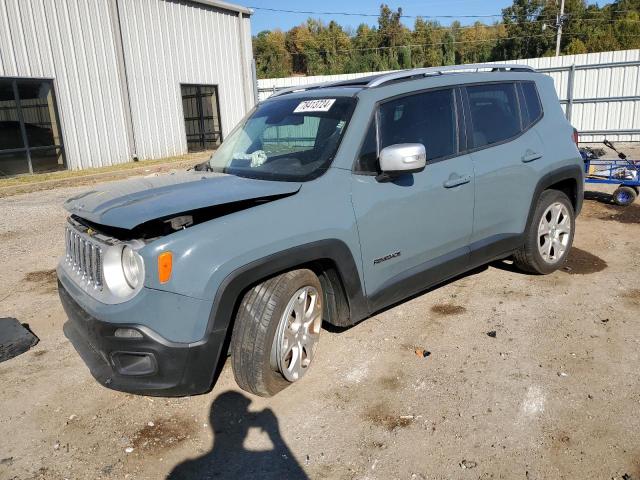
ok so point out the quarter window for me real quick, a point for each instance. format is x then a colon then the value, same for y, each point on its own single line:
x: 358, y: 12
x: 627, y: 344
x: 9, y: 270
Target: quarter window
x: 427, y: 118
x: 368, y: 158
x: 494, y: 113
x: 530, y: 106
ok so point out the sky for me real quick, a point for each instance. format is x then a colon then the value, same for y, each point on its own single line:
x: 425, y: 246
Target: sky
x: 265, y: 20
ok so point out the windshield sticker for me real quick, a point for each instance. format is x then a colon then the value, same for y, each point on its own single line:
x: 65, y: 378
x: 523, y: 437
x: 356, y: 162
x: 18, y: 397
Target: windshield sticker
x: 320, y: 105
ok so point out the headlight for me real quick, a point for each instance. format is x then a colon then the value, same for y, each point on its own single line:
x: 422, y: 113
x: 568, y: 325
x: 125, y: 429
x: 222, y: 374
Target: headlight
x: 131, y: 266
x: 123, y: 269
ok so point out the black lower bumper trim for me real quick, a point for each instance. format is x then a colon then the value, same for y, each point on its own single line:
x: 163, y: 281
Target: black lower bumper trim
x: 146, y: 364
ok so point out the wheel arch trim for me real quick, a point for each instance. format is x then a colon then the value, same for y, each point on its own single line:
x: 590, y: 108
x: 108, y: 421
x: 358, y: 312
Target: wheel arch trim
x: 569, y: 172
x: 231, y: 289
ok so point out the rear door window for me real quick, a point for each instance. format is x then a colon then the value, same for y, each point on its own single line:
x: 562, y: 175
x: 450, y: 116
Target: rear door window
x: 494, y: 113
x: 428, y: 118
x: 530, y: 105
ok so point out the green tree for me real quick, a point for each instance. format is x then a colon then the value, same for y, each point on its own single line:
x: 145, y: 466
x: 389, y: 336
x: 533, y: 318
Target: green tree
x: 476, y: 43
x: 272, y: 58
x: 316, y: 48
x: 427, y: 36
x: 392, y: 34
x: 524, y: 36
x: 575, y: 47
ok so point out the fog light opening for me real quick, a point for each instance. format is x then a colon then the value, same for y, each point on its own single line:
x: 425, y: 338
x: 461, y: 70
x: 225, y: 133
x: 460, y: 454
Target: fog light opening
x: 134, y: 363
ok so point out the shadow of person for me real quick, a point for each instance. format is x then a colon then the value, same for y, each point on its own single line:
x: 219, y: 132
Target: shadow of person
x: 230, y: 420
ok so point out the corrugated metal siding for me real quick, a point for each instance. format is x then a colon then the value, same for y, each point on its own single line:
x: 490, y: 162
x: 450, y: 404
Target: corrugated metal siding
x: 601, y: 82
x: 168, y: 43
x: 71, y: 42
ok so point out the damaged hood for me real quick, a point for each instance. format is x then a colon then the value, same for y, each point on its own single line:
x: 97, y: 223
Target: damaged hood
x: 129, y: 203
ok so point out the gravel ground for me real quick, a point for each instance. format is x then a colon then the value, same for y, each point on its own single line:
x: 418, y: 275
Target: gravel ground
x: 553, y: 393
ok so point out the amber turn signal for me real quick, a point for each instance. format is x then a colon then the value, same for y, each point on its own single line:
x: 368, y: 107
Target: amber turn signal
x: 165, y: 264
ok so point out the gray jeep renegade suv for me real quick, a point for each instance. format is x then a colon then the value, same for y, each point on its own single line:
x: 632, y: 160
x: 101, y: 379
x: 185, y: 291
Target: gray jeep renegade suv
x: 325, y: 204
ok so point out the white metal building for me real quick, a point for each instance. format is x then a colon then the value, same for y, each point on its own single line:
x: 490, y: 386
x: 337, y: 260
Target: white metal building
x: 88, y: 83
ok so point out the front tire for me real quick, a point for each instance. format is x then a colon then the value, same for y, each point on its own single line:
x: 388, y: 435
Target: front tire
x: 276, y: 332
x: 549, y: 236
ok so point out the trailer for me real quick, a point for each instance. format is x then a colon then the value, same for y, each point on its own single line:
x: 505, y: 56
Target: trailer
x: 622, y: 172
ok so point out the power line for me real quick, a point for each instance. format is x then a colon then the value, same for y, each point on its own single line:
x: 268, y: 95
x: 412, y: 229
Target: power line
x: 431, y: 44
x: 437, y: 28
x: 353, y: 14
x: 421, y: 45
x: 356, y: 14
x: 440, y: 28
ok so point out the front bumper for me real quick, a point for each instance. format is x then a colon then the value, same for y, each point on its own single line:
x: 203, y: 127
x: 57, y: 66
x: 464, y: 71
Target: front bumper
x: 149, y: 364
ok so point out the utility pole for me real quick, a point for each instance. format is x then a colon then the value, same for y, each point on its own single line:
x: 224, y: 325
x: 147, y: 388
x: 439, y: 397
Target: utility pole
x: 559, y: 21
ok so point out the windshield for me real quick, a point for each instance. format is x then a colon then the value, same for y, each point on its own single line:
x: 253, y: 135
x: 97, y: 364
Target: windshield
x: 286, y: 139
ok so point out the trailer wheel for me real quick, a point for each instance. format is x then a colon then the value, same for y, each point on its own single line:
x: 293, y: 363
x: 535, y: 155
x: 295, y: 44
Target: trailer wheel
x: 624, y: 195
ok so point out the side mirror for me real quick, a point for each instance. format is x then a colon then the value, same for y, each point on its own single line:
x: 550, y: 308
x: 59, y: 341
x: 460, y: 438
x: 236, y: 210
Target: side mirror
x: 402, y: 158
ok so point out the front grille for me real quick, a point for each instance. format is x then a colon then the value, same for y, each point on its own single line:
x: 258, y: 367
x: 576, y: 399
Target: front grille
x: 84, y: 257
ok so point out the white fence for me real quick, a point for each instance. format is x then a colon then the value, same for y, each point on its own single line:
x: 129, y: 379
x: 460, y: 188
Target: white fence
x: 599, y: 92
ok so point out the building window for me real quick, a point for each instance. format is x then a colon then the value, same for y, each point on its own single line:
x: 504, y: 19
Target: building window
x: 201, y: 117
x: 30, y: 138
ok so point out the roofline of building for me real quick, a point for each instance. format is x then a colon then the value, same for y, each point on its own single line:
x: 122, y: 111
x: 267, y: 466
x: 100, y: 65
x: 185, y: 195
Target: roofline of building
x: 226, y: 6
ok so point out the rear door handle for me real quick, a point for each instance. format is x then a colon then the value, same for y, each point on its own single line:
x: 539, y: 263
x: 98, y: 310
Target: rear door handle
x: 456, y: 180
x: 531, y: 156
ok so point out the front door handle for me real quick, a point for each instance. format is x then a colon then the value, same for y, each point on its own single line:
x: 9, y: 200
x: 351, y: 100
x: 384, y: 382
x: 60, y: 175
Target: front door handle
x: 456, y: 180
x: 531, y: 156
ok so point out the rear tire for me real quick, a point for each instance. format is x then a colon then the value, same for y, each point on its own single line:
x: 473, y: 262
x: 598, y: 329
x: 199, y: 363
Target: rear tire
x: 276, y: 332
x: 624, y: 196
x: 549, y: 236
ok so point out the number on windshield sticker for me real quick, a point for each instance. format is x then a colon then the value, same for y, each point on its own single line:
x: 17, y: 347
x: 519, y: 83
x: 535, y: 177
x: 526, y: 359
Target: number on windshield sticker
x: 320, y: 105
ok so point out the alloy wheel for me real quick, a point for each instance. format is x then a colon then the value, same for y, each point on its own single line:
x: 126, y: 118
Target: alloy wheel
x: 554, y: 232
x: 298, y: 333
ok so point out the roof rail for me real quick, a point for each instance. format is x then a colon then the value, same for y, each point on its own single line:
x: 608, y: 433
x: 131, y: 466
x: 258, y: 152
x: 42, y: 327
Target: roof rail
x: 424, y: 72
x: 299, y: 88
x: 377, y: 80
x: 313, y: 86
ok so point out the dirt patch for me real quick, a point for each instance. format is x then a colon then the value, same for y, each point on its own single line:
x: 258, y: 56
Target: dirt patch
x: 162, y: 434
x: 581, y: 262
x: 47, y: 280
x: 633, y: 296
x: 391, y: 383
x: 635, y: 293
x: 630, y: 214
x: 448, y: 309
x: 7, y: 236
x: 380, y: 416
x: 614, y: 213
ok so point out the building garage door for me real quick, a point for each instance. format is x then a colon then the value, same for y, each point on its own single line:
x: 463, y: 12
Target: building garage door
x: 30, y: 139
x: 201, y: 117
